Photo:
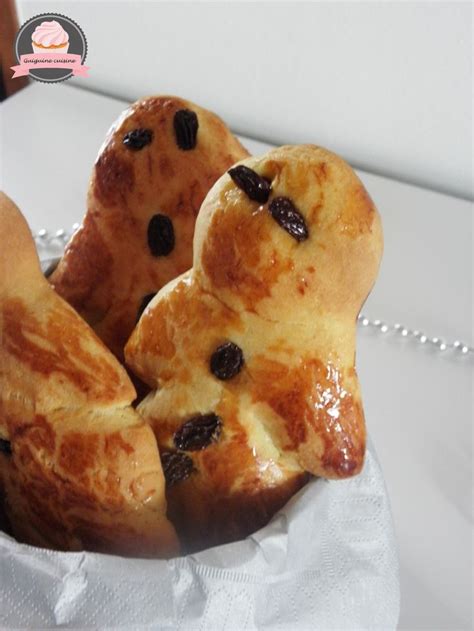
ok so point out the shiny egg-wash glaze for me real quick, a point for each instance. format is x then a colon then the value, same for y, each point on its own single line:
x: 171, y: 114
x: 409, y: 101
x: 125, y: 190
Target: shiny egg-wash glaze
x: 287, y: 248
x: 79, y: 469
x: 157, y: 163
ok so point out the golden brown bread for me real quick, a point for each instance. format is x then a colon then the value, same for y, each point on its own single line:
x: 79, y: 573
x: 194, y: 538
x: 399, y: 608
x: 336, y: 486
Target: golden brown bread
x: 157, y: 163
x: 251, y: 353
x: 79, y: 469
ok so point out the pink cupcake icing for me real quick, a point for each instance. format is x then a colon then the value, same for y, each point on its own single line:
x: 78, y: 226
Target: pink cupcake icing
x: 50, y: 37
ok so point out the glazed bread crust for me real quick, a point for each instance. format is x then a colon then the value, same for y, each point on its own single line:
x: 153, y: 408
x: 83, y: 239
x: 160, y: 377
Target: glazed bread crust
x: 141, y: 172
x: 79, y: 469
x: 283, y: 281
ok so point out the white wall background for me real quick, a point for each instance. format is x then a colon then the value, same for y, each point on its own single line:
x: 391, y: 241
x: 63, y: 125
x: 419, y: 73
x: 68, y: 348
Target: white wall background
x: 386, y: 84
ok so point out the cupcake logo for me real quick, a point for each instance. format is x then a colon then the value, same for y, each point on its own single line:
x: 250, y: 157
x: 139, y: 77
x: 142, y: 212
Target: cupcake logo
x: 50, y: 48
x: 50, y: 37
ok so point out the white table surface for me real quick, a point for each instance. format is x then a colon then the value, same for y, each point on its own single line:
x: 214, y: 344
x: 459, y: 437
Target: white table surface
x: 418, y: 402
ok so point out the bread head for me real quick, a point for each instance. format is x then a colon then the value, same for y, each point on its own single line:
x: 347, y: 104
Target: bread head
x: 79, y: 469
x: 152, y: 173
x: 281, y: 280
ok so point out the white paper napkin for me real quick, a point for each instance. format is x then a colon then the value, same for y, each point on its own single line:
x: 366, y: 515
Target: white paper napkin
x: 326, y: 561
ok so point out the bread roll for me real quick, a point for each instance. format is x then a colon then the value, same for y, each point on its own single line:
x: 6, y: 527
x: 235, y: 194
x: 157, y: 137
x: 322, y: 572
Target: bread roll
x: 251, y: 353
x: 157, y: 163
x: 79, y: 469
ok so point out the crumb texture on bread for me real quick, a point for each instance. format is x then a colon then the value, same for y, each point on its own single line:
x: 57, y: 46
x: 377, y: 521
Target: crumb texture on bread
x: 79, y: 469
x: 286, y: 251
x: 152, y: 173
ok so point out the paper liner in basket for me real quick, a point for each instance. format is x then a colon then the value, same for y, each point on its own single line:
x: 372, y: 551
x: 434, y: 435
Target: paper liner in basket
x: 326, y: 561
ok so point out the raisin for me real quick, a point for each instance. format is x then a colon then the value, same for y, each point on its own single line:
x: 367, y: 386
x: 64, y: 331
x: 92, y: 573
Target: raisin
x: 185, y: 128
x: 137, y: 139
x: 199, y: 432
x: 49, y: 265
x: 289, y: 218
x: 176, y: 466
x: 227, y: 361
x: 254, y: 186
x: 5, y: 447
x: 144, y: 304
x: 160, y: 235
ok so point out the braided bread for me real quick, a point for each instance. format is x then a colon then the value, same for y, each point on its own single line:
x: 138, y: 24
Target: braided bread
x: 79, y: 469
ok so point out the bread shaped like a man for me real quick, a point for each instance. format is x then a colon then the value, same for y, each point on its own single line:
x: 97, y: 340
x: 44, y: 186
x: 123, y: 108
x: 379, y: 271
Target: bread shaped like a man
x: 157, y: 164
x: 79, y: 469
x: 251, y: 353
